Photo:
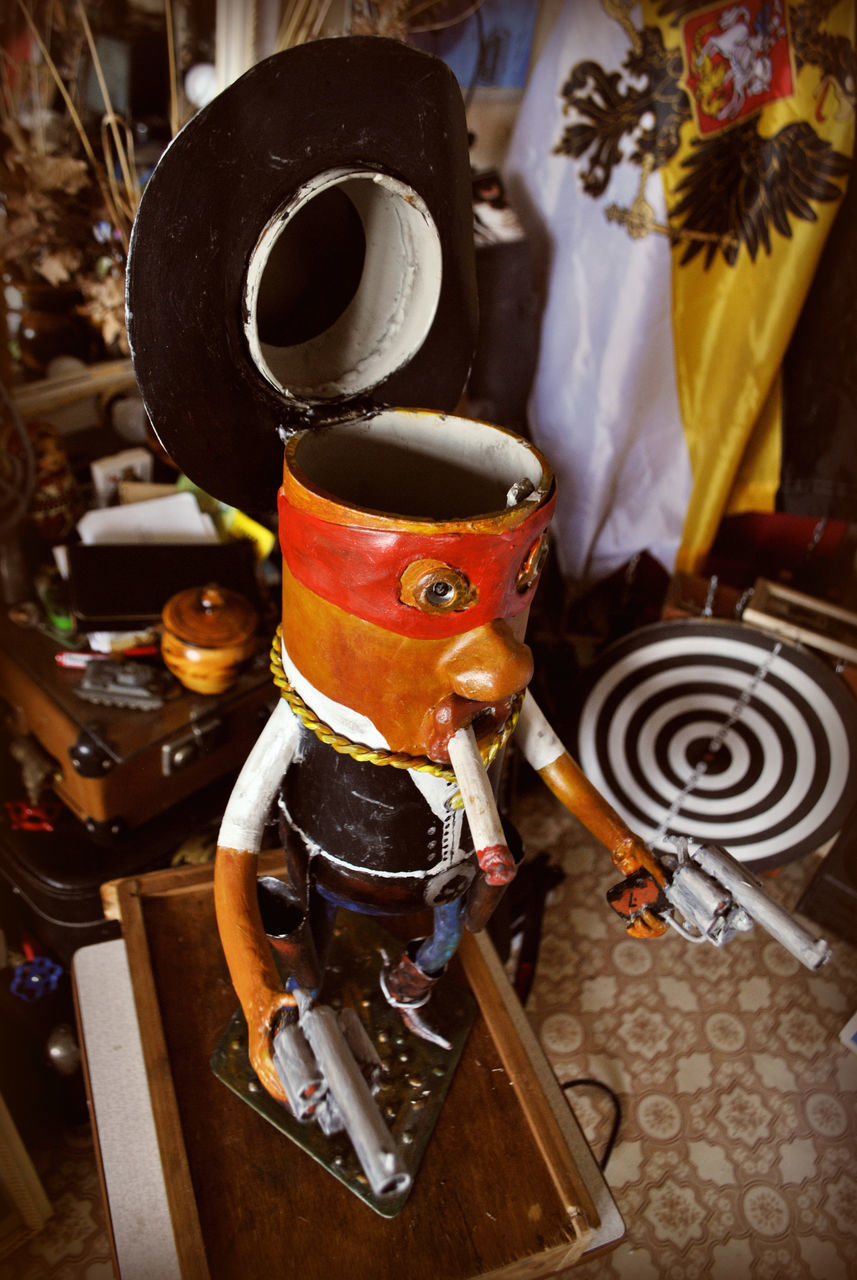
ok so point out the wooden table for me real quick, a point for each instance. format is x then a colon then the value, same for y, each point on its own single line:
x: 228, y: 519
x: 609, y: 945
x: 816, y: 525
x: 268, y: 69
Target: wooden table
x: 508, y: 1186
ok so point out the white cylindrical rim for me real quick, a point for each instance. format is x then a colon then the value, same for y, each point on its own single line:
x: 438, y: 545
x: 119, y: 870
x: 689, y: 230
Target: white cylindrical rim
x: 423, y: 465
x: 392, y: 310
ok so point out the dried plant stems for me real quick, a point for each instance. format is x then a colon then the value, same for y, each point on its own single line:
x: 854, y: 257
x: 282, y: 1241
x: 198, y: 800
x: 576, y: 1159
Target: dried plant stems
x: 115, y: 214
x: 125, y: 201
x: 416, y: 9
x: 302, y: 20
x: 171, y: 58
x: 112, y: 120
x: 58, y: 80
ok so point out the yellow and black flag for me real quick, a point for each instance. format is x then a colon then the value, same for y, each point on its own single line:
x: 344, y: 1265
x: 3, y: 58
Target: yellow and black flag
x: 685, y: 163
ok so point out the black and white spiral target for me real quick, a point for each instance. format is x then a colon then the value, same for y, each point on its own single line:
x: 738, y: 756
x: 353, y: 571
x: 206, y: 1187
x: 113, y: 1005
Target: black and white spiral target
x: 767, y: 735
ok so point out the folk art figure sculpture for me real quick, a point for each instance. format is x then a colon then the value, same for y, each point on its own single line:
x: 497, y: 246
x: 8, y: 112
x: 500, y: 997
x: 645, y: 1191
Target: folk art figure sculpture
x: 301, y: 297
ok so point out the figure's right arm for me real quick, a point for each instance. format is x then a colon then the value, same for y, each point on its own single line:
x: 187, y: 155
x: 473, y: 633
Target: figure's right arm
x: 248, y: 954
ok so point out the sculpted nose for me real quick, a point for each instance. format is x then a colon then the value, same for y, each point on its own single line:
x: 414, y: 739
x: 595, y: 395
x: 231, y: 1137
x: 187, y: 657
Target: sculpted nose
x: 488, y: 663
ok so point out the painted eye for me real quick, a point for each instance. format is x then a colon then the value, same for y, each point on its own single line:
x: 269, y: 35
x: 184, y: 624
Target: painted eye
x: 439, y: 594
x: 435, y: 587
x: 533, y: 564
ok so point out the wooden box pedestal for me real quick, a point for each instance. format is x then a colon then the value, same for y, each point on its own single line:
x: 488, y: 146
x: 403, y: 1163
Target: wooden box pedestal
x: 508, y: 1186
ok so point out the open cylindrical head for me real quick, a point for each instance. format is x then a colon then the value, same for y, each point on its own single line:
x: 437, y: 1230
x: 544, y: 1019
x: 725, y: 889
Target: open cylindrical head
x: 342, y: 287
x: 412, y: 544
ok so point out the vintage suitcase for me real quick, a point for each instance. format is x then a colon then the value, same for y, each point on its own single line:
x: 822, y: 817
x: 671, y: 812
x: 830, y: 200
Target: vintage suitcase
x: 51, y: 879
x: 117, y: 768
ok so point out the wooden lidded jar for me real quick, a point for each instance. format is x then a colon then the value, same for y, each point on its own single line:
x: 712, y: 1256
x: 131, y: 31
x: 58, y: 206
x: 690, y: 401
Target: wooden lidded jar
x: 209, y: 632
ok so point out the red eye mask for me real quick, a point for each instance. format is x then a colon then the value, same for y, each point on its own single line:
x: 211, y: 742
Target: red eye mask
x: 360, y: 569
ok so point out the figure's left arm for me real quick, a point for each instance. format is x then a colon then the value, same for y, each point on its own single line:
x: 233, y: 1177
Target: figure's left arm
x: 545, y: 753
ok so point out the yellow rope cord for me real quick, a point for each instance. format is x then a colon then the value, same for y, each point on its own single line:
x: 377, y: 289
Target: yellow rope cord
x: 377, y: 755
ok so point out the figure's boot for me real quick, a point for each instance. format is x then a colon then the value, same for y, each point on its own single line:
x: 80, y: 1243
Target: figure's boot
x: 408, y: 988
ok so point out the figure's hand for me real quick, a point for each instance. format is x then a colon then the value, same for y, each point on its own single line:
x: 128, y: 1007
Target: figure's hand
x: 262, y: 1014
x: 646, y: 926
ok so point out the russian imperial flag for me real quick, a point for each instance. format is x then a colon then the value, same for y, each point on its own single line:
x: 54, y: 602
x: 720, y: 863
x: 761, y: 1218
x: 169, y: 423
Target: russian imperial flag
x: 681, y: 166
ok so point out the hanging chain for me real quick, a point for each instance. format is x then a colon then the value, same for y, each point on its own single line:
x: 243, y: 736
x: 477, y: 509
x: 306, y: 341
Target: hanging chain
x: 818, y: 533
x: 743, y: 600
x: 716, y: 742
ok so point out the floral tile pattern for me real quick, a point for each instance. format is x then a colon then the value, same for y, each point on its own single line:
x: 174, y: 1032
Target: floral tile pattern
x: 737, y: 1153
x: 74, y: 1244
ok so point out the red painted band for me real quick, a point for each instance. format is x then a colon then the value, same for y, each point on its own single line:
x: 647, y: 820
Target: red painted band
x: 360, y: 568
x: 496, y: 863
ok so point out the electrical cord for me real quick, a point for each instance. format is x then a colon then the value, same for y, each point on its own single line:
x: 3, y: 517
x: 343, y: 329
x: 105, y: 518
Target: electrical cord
x: 617, y: 1114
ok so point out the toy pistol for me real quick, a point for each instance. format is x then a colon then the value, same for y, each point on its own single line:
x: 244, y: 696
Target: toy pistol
x: 329, y: 1068
x: 715, y: 898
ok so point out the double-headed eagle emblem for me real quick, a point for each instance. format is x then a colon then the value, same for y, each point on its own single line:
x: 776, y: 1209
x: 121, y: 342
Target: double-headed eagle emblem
x: 730, y: 61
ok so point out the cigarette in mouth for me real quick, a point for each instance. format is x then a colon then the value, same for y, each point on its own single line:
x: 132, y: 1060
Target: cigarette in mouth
x: 492, y: 852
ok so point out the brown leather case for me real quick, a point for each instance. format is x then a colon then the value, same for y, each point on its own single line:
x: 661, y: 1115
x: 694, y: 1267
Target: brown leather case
x: 118, y: 767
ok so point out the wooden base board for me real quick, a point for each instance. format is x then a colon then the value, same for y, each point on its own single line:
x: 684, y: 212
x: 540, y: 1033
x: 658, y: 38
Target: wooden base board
x: 508, y: 1186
